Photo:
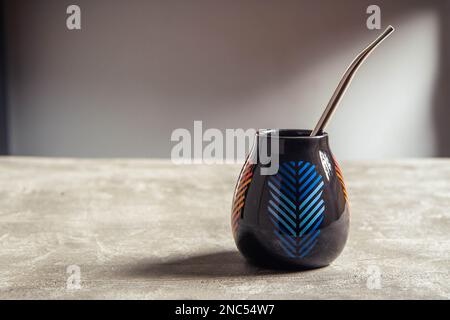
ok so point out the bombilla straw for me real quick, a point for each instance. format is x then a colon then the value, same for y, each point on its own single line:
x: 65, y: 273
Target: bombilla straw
x: 346, y: 80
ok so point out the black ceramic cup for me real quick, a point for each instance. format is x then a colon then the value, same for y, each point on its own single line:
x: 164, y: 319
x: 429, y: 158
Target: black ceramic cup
x: 298, y: 215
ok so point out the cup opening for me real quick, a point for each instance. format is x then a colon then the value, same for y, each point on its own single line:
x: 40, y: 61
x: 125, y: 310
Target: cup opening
x: 290, y: 133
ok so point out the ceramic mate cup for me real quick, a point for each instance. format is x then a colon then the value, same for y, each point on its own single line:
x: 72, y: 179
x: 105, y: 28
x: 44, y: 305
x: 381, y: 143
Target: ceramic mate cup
x: 297, y: 217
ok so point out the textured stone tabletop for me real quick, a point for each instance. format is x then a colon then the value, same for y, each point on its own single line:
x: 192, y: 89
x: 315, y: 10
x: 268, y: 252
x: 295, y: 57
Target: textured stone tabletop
x: 150, y: 229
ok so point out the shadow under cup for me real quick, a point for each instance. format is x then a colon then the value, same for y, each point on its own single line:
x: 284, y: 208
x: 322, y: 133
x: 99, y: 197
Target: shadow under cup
x: 296, y: 215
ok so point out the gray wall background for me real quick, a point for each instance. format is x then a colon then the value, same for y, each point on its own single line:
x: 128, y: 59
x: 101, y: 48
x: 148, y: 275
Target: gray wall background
x: 139, y: 69
x: 3, y: 115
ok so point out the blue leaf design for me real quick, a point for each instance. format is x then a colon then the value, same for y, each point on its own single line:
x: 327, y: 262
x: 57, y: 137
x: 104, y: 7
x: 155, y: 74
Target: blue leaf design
x: 296, y: 207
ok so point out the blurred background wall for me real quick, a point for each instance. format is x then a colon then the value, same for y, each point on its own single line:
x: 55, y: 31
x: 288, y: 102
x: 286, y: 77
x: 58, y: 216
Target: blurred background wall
x: 140, y: 69
x: 3, y: 108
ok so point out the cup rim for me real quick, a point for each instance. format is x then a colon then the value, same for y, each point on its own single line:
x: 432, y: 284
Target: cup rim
x: 303, y: 134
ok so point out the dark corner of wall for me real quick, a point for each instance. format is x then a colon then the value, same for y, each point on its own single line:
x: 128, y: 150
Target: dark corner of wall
x: 3, y: 77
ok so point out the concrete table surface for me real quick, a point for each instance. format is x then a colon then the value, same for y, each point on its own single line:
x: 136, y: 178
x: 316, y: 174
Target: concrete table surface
x: 150, y: 229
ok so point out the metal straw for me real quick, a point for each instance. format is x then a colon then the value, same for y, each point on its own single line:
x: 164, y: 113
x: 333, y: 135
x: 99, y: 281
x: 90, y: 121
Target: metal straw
x: 345, y: 82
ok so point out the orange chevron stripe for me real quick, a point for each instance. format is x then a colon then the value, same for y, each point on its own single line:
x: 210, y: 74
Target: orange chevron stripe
x: 240, y: 199
x: 247, y: 175
x: 338, y: 168
x: 238, y: 206
x: 341, y: 178
x: 344, y: 190
x: 246, y: 171
x: 242, y: 187
x: 246, y: 168
x: 238, y: 195
x: 339, y: 175
x: 244, y: 178
x: 345, y: 193
x: 244, y: 184
x: 336, y: 164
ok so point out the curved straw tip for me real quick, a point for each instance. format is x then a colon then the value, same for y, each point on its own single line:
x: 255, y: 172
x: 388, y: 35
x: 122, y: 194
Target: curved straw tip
x: 390, y: 28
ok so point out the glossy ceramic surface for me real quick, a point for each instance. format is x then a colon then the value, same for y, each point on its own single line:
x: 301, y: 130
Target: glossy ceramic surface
x: 297, y: 217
